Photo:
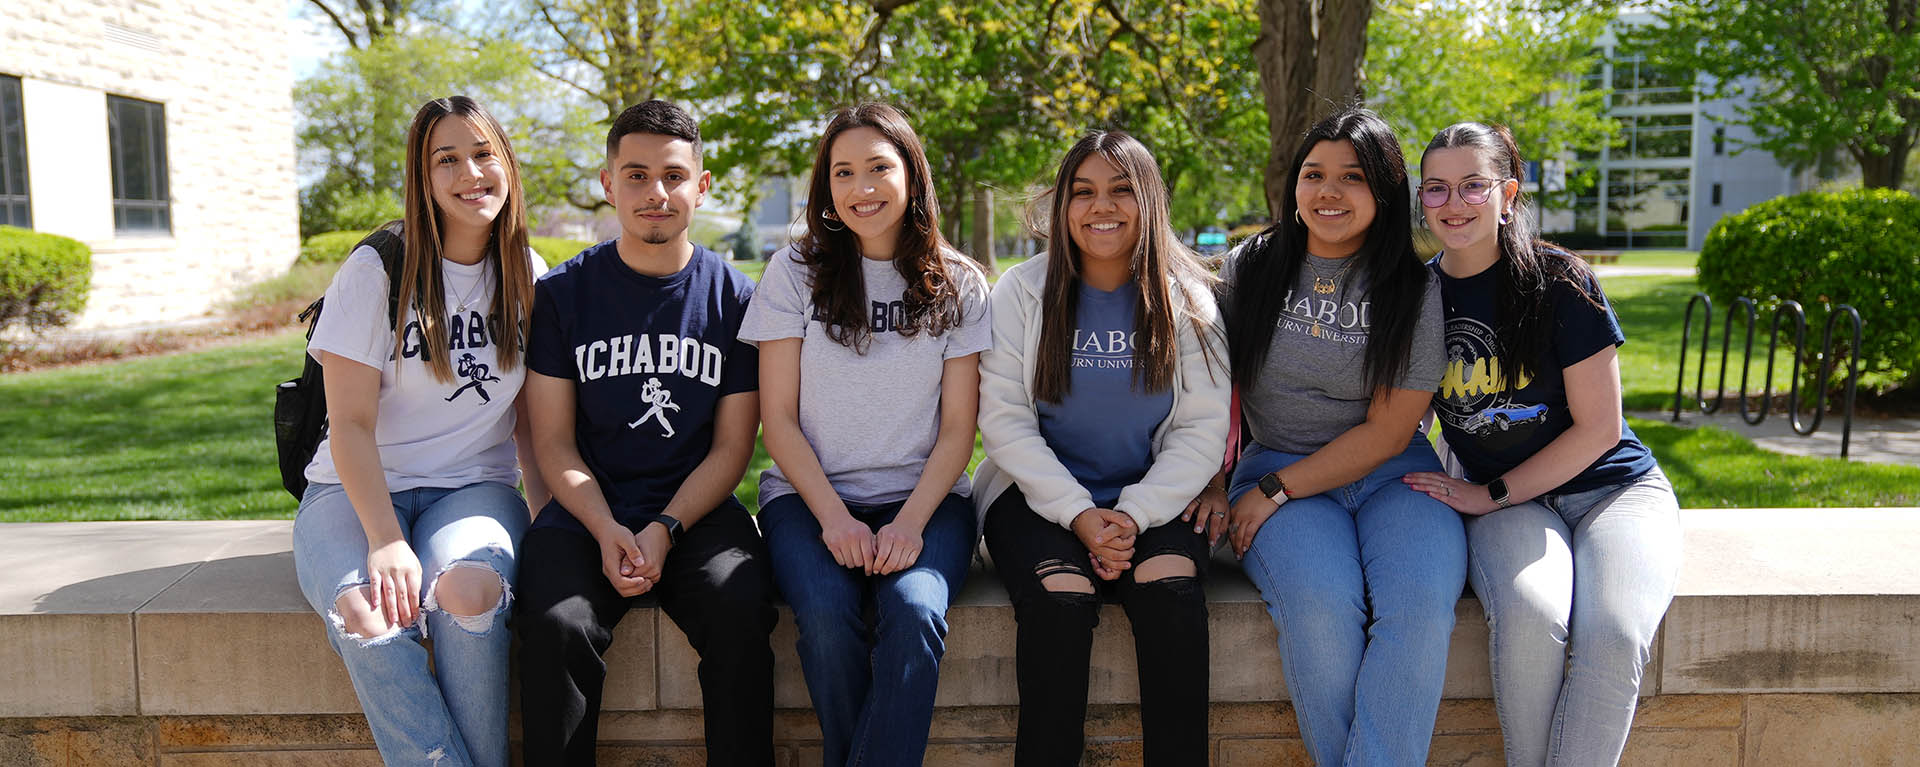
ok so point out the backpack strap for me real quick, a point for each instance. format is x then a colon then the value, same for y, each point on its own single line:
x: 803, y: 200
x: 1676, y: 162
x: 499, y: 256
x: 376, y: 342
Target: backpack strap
x: 387, y: 241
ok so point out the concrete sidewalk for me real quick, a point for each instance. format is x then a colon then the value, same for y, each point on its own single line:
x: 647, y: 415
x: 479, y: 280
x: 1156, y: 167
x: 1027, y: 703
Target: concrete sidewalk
x: 1614, y: 270
x: 1875, y: 440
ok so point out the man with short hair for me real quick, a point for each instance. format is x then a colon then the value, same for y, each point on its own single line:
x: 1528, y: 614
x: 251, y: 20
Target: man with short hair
x: 644, y: 407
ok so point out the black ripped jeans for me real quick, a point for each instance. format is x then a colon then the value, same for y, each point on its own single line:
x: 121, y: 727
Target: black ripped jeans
x: 1055, y: 639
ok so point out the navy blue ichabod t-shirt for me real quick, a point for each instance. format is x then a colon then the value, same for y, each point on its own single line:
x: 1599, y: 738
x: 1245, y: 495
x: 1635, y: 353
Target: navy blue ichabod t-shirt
x: 1492, y: 428
x: 1102, y: 431
x: 650, y: 358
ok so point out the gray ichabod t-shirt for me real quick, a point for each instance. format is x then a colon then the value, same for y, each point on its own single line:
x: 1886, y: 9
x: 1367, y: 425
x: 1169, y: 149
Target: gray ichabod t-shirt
x: 1312, y: 387
x: 871, y: 418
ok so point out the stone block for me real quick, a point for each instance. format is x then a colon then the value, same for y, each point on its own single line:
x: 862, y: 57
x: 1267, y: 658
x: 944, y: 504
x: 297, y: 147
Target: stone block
x: 75, y: 742
x: 320, y: 758
x: 1687, y: 748
x: 651, y: 755
x: 240, y: 663
x: 1267, y: 719
x: 1261, y: 752
x: 1749, y: 644
x: 684, y: 725
x: 1688, y: 712
x: 1481, y: 750
x: 632, y: 674
x: 66, y: 665
x: 678, y: 673
x: 1880, y: 730
x: 1466, y: 717
x: 192, y: 733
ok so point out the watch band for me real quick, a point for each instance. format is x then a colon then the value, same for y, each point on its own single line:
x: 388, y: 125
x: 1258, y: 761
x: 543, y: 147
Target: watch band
x: 1497, y: 490
x: 673, y: 528
x: 1275, y: 488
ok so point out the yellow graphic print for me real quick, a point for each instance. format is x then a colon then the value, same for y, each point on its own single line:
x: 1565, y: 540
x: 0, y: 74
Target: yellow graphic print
x: 1484, y: 378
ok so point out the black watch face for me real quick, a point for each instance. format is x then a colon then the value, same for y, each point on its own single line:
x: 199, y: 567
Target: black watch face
x: 1269, y: 485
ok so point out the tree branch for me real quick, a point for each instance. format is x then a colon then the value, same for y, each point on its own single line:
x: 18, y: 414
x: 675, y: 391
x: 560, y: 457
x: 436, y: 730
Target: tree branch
x: 353, y: 40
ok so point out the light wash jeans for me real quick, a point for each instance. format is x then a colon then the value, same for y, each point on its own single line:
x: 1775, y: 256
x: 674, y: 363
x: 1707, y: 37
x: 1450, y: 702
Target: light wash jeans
x: 457, y: 715
x: 1361, y: 582
x: 1594, y: 567
x: 872, y: 685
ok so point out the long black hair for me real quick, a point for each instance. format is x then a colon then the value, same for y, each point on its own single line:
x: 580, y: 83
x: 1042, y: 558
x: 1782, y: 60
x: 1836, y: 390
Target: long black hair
x: 1528, y: 267
x: 1395, y: 278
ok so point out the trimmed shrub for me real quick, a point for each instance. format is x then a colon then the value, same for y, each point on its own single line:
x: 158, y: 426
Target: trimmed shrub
x: 556, y: 250
x: 1859, y: 247
x: 44, y: 278
x: 329, y: 247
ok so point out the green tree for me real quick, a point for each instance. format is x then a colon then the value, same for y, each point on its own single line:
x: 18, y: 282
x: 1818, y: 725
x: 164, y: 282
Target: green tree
x: 1816, y: 74
x: 1309, y: 53
x: 362, y: 22
x: 355, y: 109
x: 1513, y: 62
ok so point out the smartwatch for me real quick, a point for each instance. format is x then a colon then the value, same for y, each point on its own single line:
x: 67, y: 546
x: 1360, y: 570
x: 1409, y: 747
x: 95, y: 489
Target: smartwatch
x: 1274, y: 489
x: 673, y: 528
x: 1497, y: 490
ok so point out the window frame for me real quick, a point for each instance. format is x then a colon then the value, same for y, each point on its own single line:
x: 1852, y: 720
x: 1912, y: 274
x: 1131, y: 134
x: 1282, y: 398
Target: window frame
x: 159, y: 205
x: 13, y: 156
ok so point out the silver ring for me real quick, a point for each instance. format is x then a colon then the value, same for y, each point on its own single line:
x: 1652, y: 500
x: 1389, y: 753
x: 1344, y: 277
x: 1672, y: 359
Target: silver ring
x: 1221, y: 514
x: 1449, y: 492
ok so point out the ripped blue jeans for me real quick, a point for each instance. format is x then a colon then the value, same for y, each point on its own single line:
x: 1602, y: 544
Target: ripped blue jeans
x: 455, y: 714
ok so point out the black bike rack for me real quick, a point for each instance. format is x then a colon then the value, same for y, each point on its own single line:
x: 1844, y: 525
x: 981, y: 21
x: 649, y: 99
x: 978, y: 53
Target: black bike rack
x: 1744, y: 307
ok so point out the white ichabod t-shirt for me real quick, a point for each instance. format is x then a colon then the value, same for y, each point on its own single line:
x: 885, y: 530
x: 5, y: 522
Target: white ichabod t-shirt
x: 872, y: 417
x: 429, y: 433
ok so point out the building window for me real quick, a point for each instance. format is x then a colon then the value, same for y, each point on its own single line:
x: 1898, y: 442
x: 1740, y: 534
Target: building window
x: 1716, y: 194
x: 1720, y: 140
x: 1638, y: 82
x: 137, y: 131
x: 15, y: 209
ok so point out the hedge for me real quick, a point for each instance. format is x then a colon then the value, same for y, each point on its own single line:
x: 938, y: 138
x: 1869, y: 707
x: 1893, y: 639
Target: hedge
x: 332, y: 248
x: 44, y: 278
x: 1859, y: 247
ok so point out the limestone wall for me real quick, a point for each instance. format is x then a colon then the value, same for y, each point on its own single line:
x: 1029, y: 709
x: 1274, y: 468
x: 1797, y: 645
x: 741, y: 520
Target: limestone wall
x: 1794, y: 640
x: 222, y: 72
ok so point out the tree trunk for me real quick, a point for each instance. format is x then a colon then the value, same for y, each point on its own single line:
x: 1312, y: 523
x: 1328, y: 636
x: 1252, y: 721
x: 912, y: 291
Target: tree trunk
x: 982, y: 240
x: 1884, y: 171
x: 1310, y: 53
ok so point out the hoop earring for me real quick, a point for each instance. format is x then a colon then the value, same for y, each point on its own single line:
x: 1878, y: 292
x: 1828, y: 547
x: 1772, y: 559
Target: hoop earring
x: 1296, y: 217
x: 831, y: 219
x: 1506, y: 217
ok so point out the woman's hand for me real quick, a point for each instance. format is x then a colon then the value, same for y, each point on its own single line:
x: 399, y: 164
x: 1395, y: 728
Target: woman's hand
x: 849, y: 540
x: 394, y: 581
x: 1208, y: 513
x: 1465, y: 497
x: 896, y: 546
x: 1245, y: 518
x: 1108, y: 535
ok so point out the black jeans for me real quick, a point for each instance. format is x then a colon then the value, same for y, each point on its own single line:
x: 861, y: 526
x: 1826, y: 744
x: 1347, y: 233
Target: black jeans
x: 715, y: 585
x: 1055, y: 637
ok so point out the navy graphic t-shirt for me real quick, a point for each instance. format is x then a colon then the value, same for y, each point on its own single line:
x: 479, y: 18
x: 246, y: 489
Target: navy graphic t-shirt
x: 650, y: 358
x: 1492, y: 428
x: 1102, y: 431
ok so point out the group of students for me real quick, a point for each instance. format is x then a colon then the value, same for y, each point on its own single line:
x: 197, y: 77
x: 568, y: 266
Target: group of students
x: 1110, y: 379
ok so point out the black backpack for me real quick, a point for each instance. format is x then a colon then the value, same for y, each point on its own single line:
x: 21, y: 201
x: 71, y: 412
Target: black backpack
x: 300, y: 405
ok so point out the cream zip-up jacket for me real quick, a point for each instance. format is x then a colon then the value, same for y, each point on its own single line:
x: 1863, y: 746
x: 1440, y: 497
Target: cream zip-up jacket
x: 1187, y: 447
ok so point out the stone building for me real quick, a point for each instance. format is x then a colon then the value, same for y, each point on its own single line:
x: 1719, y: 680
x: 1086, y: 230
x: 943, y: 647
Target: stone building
x: 159, y: 133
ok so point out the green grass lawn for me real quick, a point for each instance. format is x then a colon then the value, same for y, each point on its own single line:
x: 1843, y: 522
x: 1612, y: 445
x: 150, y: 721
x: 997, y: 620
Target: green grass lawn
x: 188, y: 436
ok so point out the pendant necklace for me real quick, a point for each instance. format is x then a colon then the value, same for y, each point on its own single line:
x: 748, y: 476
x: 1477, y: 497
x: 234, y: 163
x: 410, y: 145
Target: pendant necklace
x: 1325, y: 285
x: 477, y: 287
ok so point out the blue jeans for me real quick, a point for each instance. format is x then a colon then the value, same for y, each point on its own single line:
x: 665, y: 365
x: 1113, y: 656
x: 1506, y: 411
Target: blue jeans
x: 1361, y: 582
x: 456, y: 715
x: 872, y: 688
x: 1593, y: 572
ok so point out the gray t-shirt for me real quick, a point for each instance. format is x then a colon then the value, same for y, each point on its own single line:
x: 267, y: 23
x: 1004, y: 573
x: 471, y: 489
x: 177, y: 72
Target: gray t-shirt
x: 871, y: 418
x: 1312, y: 387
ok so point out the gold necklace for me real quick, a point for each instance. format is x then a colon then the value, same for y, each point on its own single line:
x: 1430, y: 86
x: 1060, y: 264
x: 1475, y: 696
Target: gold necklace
x: 1324, y: 285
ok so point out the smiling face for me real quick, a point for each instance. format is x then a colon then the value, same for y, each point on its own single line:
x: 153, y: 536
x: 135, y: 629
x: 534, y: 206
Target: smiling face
x: 468, y: 179
x: 1103, y: 216
x: 1334, y: 200
x: 654, y: 182
x: 868, y: 181
x: 1463, y: 227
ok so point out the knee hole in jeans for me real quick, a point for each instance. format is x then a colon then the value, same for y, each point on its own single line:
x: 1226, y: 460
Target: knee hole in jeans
x: 1062, y: 577
x: 470, y: 592
x: 1164, y: 566
x: 354, y: 617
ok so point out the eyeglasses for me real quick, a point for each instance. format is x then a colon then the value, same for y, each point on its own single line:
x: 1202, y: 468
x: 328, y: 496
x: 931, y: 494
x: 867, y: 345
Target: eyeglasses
x: 1473, y: 191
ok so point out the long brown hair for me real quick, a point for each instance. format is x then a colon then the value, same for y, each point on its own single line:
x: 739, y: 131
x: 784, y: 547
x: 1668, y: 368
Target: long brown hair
x: 1161, y: 266
x: 1528, y: 267
x: 922, y: 256
x: 422, y: 282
